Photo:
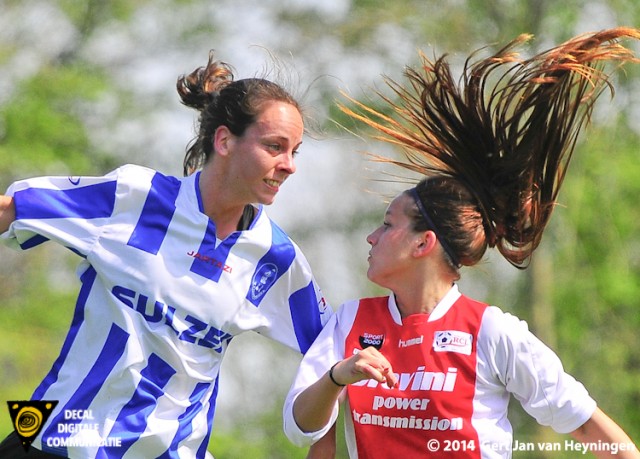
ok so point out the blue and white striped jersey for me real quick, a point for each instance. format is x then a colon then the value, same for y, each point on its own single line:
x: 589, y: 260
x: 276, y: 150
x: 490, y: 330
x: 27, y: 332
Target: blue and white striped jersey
x: 160, y: 299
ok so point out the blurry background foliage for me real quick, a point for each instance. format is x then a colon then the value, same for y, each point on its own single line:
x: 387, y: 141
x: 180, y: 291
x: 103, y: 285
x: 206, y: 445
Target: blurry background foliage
x: 88, y: 85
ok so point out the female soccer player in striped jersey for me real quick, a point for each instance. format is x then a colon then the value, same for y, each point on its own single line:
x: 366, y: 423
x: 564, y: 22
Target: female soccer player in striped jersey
x: 427, y: 371
x: 173, y: 268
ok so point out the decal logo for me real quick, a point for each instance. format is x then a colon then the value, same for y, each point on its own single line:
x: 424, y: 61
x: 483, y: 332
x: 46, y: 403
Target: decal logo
x: 74, y: 180
x: 370, y: 339
x: 263, y: 278
x: 453, y: 341
x: 28, y: 417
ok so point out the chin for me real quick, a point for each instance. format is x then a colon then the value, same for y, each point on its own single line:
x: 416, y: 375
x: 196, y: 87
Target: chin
x: 370, y: 276
x: 265, y: 200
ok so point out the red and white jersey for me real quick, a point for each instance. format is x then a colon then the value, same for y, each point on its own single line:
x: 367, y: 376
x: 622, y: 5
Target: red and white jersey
x: 456, y: 369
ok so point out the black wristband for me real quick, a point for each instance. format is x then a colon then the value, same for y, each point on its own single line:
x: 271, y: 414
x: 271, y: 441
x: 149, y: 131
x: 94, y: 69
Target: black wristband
x: 332, y: 378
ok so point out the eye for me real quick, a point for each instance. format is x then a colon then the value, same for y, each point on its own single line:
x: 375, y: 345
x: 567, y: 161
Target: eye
x: 276, y: 147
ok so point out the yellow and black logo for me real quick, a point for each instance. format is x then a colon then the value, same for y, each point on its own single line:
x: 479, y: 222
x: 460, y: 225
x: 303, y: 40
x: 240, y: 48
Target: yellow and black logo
x: 28, y: 418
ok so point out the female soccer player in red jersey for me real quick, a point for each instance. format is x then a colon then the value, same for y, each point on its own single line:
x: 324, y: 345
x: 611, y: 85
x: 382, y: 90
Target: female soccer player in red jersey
x: 428, y: 371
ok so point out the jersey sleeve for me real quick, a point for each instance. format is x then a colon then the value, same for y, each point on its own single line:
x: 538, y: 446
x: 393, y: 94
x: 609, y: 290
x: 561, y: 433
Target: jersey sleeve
x: 327, y: 349
x: 71, y: 211
x: 294, y: 308
x: 533, y: 373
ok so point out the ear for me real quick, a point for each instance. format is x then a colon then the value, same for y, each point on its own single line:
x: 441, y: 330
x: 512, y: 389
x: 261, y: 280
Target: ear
x: 222, y: 140
x: 424, y: 244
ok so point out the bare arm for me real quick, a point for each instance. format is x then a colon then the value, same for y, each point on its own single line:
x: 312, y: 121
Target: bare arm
x: 601, y: 428
x: 325, y: 448
x: 313, y: 407
x: 7, y: 212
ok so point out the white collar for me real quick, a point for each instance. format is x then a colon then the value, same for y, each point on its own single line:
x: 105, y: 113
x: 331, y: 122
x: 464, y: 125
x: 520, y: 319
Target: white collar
x: 437, y: 313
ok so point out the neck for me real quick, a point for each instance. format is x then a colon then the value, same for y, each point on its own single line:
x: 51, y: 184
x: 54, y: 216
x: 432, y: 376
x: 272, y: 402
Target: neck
x: 422, y: 299
x: 219, y: 202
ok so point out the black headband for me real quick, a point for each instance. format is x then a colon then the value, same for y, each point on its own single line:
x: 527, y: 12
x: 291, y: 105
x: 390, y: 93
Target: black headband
x: 414, y: 194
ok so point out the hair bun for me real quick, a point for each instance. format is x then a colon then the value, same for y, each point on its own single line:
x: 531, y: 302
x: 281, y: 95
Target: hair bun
x: 203, y: 85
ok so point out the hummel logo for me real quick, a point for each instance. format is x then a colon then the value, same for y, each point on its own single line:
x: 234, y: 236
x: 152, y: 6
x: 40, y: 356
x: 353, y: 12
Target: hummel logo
x: 411, y: 342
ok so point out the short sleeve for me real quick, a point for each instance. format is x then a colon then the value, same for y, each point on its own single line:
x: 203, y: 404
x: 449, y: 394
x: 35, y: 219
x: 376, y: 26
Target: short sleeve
x: 68, y: 210
x: 533, y: 373
x: 327, y: 349
x: 293, y: 308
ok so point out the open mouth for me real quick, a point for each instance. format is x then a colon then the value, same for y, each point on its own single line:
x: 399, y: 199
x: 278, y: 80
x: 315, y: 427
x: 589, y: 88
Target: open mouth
x: 273, y: 183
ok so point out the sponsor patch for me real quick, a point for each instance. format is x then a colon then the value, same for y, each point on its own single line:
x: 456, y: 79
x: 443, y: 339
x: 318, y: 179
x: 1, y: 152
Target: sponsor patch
x: 371, y: 339
x: 453, y: 341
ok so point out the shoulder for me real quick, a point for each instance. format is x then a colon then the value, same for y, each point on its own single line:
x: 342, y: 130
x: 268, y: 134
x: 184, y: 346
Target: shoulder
x: 347, y: 312
x: 138, y: 186
x: 133, y: 170
x: 369, y: 303
x: 502, y: 333
x: 279, y: 235
x: 506, y: 342
x: 267, y: 231
x: 462, y: 309
x: 349, y: 307
x: 135, y: 175
x: 496, y: 322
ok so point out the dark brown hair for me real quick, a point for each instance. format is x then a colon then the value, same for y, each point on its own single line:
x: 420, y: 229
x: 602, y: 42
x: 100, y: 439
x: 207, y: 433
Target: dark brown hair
x: 222, y: 101
x: 495, y: 147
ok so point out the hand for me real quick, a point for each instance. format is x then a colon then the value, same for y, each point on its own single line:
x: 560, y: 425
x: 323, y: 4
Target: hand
x: 366, y: 364
x: 7, y: 212
x: 313, y: 407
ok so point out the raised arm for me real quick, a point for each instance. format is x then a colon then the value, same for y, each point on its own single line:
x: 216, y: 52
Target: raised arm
x: 7, y: 213
x: 600, y: 429
x: 313, y: 407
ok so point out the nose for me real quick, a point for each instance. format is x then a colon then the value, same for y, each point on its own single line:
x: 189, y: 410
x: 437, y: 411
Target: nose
x: 371, y: 238
x: 288, y: 164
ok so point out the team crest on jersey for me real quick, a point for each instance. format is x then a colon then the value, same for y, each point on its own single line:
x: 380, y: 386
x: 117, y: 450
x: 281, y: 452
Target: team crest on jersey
x: 452, y: 341
x: 371, y: 339
x: 263, y: 278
